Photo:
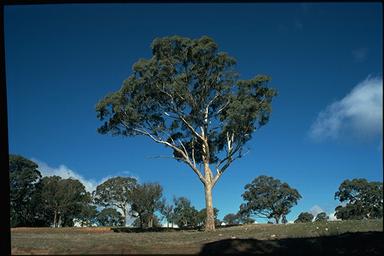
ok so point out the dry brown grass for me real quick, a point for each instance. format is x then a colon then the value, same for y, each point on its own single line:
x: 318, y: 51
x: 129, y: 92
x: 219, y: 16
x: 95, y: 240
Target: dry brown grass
x: 62, y: 230
x: 257, y: 238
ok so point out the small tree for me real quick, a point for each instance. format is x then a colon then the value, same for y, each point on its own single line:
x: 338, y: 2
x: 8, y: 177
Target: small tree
x: 244, y: 217
x: 322, y: 216
x: 155, y: 223
x: 110, y: 217
x: 167, y: 211
x: 146, y: 199
x: 269, y: 198
x: 185, y: 215
x: 231, y: 219
x: 187, y: 97
x: 363, y: 199
x: 304, y: 217
x: 116, y: 192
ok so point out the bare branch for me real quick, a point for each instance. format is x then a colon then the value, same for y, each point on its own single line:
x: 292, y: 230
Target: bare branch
x: 222, y: 108
x: 161, y: 156
x: 189, y: 126
x: 185, y: 150
x: 185, y: 157
x: 228, y: 159
x: 193, y: 153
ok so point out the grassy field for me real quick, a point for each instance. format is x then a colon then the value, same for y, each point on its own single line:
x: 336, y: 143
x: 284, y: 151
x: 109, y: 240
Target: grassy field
x: 346, y: 237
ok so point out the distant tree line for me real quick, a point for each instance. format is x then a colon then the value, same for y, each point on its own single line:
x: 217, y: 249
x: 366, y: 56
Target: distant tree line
x: 54, y: 201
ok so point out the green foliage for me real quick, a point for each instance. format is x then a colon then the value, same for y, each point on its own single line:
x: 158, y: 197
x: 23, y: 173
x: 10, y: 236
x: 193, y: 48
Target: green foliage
x: 23, y: 177
x: 244, y: 217
x: 145, y: 201
x: 322, y: 216
x: 167, y: 211
x: 185, y: 215
x: 110, y: 217
x: 304, y: 217
x: 363, y: 199
x: 185, y: 85
x: 115, y: 192
x: 63, y: 199
x: 87, y: 214
x: 188, y: 97
x: 155, y: 223
x: 268, y: 197
x: 231, y: 219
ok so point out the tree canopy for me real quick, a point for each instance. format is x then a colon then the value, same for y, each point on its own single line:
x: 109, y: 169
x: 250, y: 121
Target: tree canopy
x: 110, y: 217
x: 322, y: 216
x: 268, y: 197
x: 304, y: 217
x: 145, y: 201
x: 188, y: 97
x: 362, y: 199
x: 231, y: 219
x: 23, y: 178
x: 185, y: 215
x: 116, y: 192
x: 166, y: 210
x: 63, y: 199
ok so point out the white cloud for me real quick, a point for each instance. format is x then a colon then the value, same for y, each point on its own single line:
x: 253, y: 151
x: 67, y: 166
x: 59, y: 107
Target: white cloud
x: 332, y: 217
x: 358, y: 113
x: 65, y: 173
x: 315, y: 210
x: 360, y: 54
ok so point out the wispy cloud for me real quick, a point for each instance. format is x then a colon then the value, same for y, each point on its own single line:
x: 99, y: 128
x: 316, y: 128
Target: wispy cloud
x: 360, y: 54
x: 65, y: 172
x: 358, y: 113
x: 315, y: 210
x: 332, y: 217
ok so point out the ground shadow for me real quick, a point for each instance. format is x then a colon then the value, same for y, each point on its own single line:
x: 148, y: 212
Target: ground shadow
x: 362, y: 243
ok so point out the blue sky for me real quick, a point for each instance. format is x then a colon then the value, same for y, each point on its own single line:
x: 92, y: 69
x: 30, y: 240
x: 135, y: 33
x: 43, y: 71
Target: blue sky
x: 325, y: 60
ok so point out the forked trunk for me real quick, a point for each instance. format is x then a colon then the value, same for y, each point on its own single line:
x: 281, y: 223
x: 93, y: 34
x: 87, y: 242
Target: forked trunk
x: 210, y: 220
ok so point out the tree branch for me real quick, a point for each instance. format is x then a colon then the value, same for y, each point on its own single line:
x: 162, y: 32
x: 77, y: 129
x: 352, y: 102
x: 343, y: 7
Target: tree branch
x: 189, y: 126
x: 185, y: 157
x: 228, y: 159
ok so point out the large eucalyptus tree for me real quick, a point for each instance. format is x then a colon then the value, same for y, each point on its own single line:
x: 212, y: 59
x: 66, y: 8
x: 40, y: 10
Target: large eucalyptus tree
x: 187, y: 96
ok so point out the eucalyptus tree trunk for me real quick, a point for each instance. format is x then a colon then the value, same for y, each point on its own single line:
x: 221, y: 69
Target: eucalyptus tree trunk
x: 124, y: 209
x: 210, y: 220
x: 55, y: 219
x: 208, y: 186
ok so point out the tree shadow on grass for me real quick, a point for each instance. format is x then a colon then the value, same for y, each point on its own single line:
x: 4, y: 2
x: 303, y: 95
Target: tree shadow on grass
x: 363, y: 243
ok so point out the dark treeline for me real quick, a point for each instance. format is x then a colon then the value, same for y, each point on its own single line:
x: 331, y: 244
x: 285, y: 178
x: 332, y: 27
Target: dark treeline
x: 56, y: 202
